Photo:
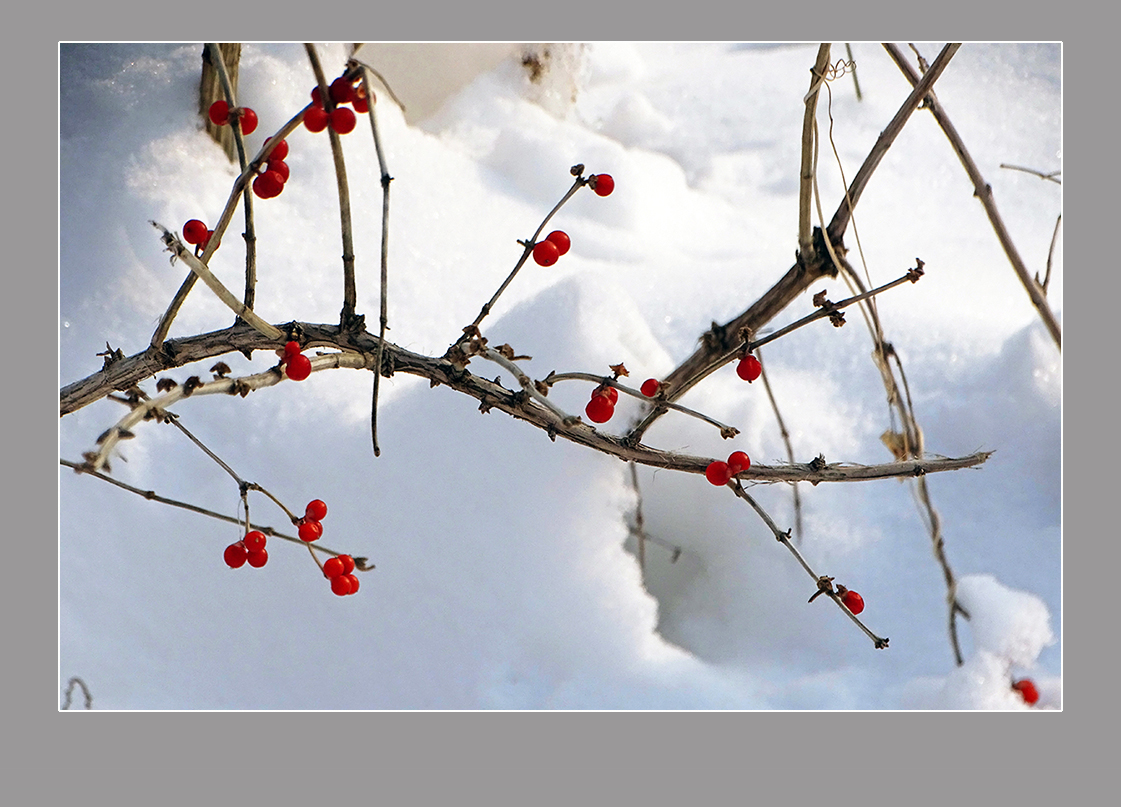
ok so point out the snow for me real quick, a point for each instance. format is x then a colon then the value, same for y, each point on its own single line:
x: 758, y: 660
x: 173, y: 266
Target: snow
x: 506, y: 573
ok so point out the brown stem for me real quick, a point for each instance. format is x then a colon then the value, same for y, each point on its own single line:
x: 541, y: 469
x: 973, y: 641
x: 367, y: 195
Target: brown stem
x: 983, y: 191
x: 805, y: 190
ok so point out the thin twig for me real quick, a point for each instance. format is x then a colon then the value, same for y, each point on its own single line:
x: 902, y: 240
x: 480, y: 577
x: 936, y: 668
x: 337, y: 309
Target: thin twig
x: 347, y: 317
x: 855, y: 80
x: 786, y: 440
x: 384, y: 318
x: 70, y: 690
x: 817, y: 78
x: 1053, y: 176
x: 1050, y: 254
x: 984, y: 192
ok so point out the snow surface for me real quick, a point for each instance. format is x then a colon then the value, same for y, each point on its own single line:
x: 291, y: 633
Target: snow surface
x: 506, y: 576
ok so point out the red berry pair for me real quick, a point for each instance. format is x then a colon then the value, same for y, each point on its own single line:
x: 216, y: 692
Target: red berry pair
x: 749, y: 368
x: 339, y: 571
x: 602, y: 184
x: 1027, y: 690
x: 296, y: 365
x: 195, y: 232
x: 251, y: 548
x: 309, y: 527
x: 547, y: 252
x: 602, y: 405
x: 270, y: 182
x: 720, y: 473
x: 221, y: 114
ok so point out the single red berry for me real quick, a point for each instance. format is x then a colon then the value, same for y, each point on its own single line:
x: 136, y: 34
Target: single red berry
x: 258, y: 559
x: 348, y: 563
x: 298, y: 367
x: 853, y: 601
x: 341, y: 585
x: 316, y: 510
x: 254, y: 541
x: 291, y: 349
x: 204, y: 242
x: 545, y: 253
x: 280, y: 167
x: 280, y: 151
x: 247, y: 119
x: 1027, y: 690
x: 341, y: 91
x: 353, y: 583
x: 718, y: 473
x: 333, y: 567
x: 599, y: 409
x: 650, y: 387
x: 268, y: 185
x: 219, y: 113
x: 310, y: 530
x: 749, y: 368
x: 561, y: 239
x: 738, y: 461
x: 235, y: 555
x: 315, y: 119
x: 316, y: 98
x: 343, y: 120
x: 361, y: 103
x: 194, y: 231
x: 602, y: 184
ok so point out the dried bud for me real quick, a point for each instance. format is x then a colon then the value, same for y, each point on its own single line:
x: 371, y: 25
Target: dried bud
x: 166, y: 384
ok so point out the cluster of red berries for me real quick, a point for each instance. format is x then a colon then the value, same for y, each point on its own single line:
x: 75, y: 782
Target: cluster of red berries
x: 547, y: 252
x: 251, y: 548
x: 196, y: 232
x: 1027, y: 690
x: 720, y: 473
x: 297, y: 367
x: 602, y: 405
x: 341, y: 119
x: 339, y: 571
x: 749, y: 368
x: 274, y: 173
x: 309, y: 527
x: 221, y: 114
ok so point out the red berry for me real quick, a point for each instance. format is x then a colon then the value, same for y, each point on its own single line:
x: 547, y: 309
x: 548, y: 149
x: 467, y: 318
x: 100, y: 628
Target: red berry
x: 258, y: 559
x: 599, y: 409
x: 310, y: 530
x: 219, y: 113
x: 268, y: 185
x: 204, y: 242
x: 280, y: 167
x: 194, y: 231
x: 247, y: 119
x: 1027, y: 690
x: 610, y: 393
x: 341, y: 585
x: 235, y: 555
x: 650, y: 387
x: 360, y: 103
x: 341, y: 91
x: 749, y: 368
x: 343, y: 120
x: 333, y: 567
x: 298, y: 367
x: 602, y: 184
x: 316, y: 98
x: 718, y: 473
x: 315, y: 119
x: 291, y: 349
x: 348, y: 563
x: 853, y: 601
x: 254, y: 541
x: 280, y: 151
x: 353, y: 583
x: 738, y: 461
x: 561, y: 239
x: 316, y: 510
x: 545, y: 253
